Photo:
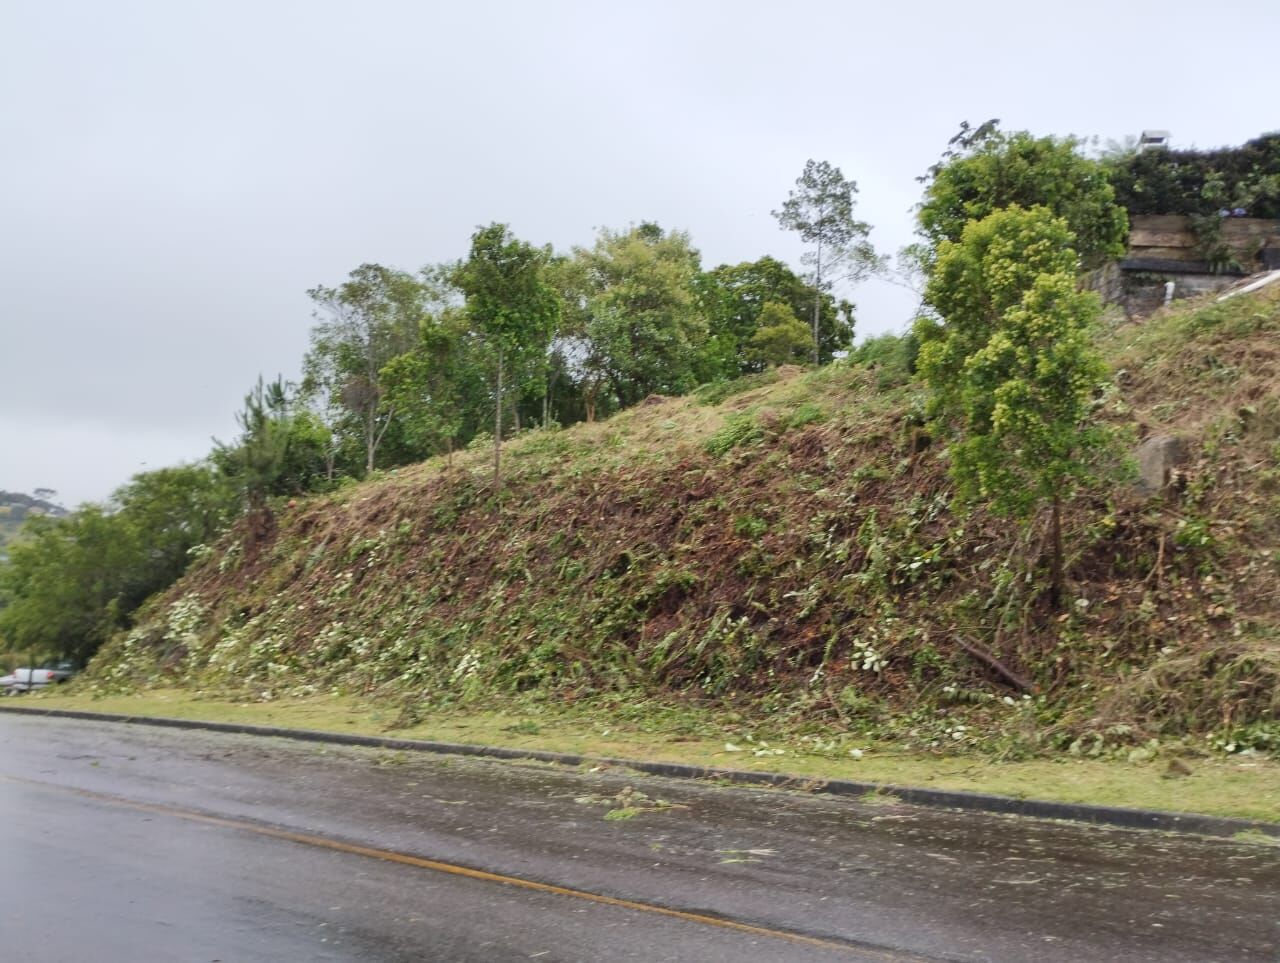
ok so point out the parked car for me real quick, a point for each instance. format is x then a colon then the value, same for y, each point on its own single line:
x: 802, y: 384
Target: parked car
x: 24, y: 680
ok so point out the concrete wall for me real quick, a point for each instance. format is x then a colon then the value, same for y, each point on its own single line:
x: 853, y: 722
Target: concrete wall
x: 1166, y: 242
x: 1163, y: 248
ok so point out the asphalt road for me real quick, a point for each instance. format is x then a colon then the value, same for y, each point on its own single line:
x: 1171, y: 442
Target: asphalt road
x: 125, y: 843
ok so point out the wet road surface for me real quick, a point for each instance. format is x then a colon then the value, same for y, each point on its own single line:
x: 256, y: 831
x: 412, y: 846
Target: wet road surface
x: 128, y: 843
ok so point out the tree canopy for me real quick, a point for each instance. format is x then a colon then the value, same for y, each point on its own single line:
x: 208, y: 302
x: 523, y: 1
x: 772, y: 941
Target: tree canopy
x: 363, y: 323
x: 977, y: 279
x: 986, y: 169
x: 72, y: 582
x: 513, y: 310
x: 781, y: 338
x: 733, y: 297
x: 641, y: 313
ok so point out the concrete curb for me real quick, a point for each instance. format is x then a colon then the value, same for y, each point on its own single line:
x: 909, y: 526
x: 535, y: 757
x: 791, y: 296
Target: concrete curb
x: 936, y: 798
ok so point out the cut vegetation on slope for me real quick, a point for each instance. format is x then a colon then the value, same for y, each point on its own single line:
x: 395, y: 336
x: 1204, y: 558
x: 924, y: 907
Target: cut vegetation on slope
x: 786, y: 545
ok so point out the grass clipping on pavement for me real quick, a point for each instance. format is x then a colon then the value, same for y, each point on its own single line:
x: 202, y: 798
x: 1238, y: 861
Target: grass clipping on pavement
x: 1237, y: 786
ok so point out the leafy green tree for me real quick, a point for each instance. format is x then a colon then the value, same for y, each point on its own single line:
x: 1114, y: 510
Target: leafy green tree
x: 279, y: 452
x: 308, y: 464
x: 580, y: 359
x: 985, y: 170
x: 641, y: 325
x: 891, y: 356
x: 164, y: 514
x: 781, y: 338
x: 732, y: 298
x: 820, y: 210
x: 979, y: 278
x: 512, y: 308
x: 72, y: 582
x: 426, y: 387
x: 1012, y: 367
x: 363, y: 323
x: 560, y: 399
x: 63, y: 584
x: 1027, y: 398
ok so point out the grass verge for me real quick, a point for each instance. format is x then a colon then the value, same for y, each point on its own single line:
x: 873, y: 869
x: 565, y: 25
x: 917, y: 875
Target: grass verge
x: 1237, y: 786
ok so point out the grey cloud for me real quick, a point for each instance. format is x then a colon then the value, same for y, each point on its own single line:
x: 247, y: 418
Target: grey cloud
x: 175, y: 175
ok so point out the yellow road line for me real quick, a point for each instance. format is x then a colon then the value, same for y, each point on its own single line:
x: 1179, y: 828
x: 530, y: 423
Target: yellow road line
x: 467, y: 872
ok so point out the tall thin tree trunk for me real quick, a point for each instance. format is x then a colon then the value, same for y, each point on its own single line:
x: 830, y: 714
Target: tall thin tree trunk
x: 375, y: 438
x: 548, y: 387
x: 817, y: 304
x: 497, y: 431
x: 1056, y: 588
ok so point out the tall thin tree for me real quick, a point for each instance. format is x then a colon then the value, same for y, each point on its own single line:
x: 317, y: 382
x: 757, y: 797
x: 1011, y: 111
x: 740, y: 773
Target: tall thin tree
x: 820, y: 210
x: 513, y: 309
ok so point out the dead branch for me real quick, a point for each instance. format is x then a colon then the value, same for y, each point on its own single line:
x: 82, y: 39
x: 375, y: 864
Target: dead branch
x: 991, y: 662
x: 1157, y: 570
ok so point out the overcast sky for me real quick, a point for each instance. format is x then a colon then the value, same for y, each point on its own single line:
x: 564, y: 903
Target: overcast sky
x: 175, y: 174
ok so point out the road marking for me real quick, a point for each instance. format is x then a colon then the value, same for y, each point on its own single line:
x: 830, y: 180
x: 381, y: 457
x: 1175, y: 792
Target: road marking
x: 468, y: 872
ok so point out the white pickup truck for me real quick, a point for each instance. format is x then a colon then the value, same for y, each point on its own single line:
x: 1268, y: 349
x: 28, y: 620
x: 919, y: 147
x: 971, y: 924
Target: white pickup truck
x: 24, y: 680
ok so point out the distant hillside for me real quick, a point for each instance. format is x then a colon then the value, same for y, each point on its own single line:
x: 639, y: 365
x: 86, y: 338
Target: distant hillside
x: 787, y: 544
x: 15, y: 507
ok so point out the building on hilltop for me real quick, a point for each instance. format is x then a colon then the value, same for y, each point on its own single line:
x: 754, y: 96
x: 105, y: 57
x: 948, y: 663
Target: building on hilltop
x: 1199, y: 220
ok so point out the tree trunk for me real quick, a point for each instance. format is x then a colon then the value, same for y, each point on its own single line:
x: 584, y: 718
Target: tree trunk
x: 377, y: 436
x: 817, y: 304
x: 497, y: 431
x: 1056, y: 588
x: 260, y: 523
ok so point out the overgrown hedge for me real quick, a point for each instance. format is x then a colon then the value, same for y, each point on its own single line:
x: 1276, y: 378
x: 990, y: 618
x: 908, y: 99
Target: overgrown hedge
x: 1200, y: 182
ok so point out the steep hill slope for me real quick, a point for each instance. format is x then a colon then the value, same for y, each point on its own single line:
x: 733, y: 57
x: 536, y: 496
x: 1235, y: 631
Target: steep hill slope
x: 786, y: 546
